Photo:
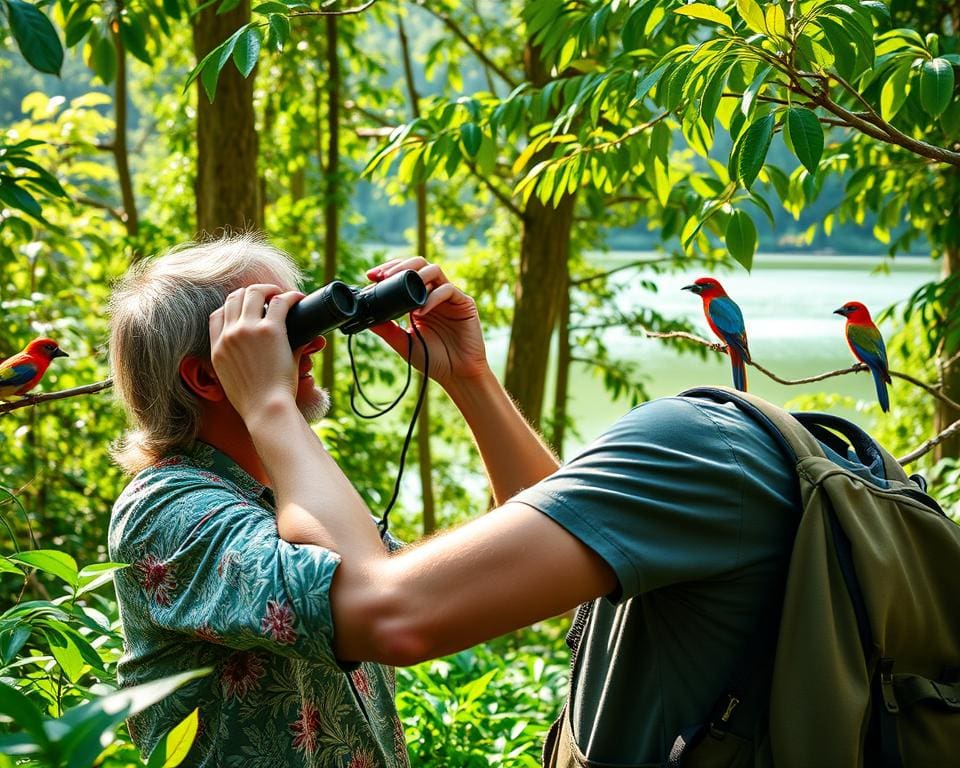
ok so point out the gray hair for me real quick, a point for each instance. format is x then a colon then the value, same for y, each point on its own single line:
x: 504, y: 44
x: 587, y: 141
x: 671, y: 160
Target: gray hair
x: 159, y: 314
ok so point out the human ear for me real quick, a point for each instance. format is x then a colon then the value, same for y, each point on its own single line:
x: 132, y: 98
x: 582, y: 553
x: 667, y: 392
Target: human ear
x: 199, y: 377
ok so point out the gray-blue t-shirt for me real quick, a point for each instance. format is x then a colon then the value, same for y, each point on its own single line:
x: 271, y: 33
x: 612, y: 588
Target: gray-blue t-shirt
x: 694, y: 507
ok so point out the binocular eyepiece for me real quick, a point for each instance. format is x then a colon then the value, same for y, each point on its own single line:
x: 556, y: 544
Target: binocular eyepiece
x: 352, y: 310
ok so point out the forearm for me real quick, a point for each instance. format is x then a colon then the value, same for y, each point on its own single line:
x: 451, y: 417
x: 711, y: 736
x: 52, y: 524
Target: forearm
x: 513, y: 454
x: 316, y: 504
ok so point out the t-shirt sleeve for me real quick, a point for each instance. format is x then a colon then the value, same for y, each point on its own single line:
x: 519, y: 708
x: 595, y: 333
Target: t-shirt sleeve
x: 213, y: 566
x: 659, y: 496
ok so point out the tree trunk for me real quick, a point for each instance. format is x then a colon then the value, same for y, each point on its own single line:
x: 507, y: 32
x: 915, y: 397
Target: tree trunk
x: 949, y: 367
x: 121, y: 158
x: 424, y: 456
x: 544, y: 256
x: 227, y: 186
x: 331, y: 206
x: 563, y: 373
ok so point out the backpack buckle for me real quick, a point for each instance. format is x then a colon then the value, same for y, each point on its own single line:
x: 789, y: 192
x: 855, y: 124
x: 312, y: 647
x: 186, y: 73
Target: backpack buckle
x: 887, y: 692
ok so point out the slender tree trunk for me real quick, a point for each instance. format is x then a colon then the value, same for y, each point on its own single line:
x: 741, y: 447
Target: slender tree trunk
x: 331, y: 206
x: 425, y: 457
x: 948, y: 365
x: 121, y: 158
x: 227, y: 186
x: 563, y: 373
x: 544, y: 254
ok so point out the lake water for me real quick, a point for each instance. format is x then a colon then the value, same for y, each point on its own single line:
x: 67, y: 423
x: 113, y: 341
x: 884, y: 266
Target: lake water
x: 788, y: 304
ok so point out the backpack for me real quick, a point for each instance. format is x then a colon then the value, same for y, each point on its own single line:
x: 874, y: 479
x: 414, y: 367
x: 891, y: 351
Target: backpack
x: 861, y: 657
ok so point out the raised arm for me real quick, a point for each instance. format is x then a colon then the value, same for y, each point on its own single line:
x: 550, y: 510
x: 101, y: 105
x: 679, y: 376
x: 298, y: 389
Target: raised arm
x: 513, y: 454
x: 502, y: 571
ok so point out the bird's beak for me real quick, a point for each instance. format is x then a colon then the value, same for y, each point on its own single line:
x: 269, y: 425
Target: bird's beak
x: 60, y: 353
x: 840, y: 312
x: 694, y: 288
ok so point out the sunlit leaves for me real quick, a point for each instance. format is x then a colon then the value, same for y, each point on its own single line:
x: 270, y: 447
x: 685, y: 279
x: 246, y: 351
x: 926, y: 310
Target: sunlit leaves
x: 247, y: 51
x: 705, y: 12
x: 173, y: 748
x: 35, y: 36
x: 23, y: 180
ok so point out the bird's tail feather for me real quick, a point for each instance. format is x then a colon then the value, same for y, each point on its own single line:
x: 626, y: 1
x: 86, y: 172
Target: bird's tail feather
x: 739, y: 370
x: 882, y: 394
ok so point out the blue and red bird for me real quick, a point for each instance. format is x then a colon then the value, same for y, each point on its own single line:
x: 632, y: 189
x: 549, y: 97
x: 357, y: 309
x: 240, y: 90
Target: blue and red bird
x: 22, y: 372
x: 726, y: 321
x: 867, y: 346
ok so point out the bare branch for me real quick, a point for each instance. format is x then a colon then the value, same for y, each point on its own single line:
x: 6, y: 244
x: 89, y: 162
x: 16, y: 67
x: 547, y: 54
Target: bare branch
x: 344, y: 12
x: 474, y: 48
x: 31, y: 400
x: 631, y: 265
x: 930, y: 444
x: 498, y: 193
x: 117, y: 214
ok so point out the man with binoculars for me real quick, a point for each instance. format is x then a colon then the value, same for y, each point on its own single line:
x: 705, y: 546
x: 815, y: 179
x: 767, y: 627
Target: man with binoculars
x: 253, y: 554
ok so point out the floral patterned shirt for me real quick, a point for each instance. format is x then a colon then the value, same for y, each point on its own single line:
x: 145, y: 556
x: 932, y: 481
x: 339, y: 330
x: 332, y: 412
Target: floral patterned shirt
x: 211, y: 583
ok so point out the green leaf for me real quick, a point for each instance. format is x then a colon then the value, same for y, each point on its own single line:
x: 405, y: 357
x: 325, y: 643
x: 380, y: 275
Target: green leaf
x: 644, y: 86
x: 52, y: 561
x: 741, y: 238
x: 753, y: 149
x: 472, y: 137
x: 175, y: 746
x: 134, y: 38
x: 12, y: 640
x: 936, y: 85
x: 17, y: 197
x: 752, y: 15
x: 23, y: 712
x: 271, y: 7
x: 66, y: 652
x: 104, y: 60
x: 81, y: 732
x: 804, y: 136
x: 895, y: 91
x: 705, y: 13
x: 279, y: 31
x: 247, y: 51
x: 35, y: 36
x: 172, y: 8
x: 5, y: 565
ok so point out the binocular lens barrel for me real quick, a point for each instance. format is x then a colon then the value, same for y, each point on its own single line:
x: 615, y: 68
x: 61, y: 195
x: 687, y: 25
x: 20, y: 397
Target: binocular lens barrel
x: 320, y: 312
x: 387, y: 300
x: 352, y: 310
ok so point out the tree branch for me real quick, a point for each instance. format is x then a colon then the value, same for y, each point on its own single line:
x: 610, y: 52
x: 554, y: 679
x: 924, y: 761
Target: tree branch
x: 498, y: 193
x: 603, y: 275
x: 930, y: 444
x: 474, y: 48
x: 31, y: 400
x: 344, y: 12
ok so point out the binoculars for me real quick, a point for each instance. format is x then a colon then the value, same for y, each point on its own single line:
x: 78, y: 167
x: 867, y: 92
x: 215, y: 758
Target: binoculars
x: 352, y: 310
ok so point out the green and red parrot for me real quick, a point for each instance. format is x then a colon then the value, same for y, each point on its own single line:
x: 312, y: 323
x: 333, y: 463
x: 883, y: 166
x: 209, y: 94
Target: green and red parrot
x: 22, y: 372
x: 867, y: 346
x: 726, y: 321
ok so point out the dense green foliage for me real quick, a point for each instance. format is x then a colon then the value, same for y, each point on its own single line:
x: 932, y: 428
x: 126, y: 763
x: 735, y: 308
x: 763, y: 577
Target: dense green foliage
x: 704, y: 131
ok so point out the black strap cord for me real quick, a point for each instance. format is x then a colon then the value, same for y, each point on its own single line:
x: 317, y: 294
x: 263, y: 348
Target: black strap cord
x: 384, y: 522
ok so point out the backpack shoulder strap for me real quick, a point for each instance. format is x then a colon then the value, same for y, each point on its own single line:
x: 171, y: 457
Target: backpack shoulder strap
x: 802, y: 433
x: 793, y: 437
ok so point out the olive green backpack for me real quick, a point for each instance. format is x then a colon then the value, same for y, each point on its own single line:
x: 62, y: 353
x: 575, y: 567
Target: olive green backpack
x: 866, y: 654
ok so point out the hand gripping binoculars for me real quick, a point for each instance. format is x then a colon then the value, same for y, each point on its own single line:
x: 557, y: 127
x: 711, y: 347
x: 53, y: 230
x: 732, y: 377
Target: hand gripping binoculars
x: 352, y: 310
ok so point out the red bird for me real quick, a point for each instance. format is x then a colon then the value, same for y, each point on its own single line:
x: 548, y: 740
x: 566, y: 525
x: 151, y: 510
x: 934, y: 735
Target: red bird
x: 867, y: 346
x: 726, y: 321
x: 22, y: 372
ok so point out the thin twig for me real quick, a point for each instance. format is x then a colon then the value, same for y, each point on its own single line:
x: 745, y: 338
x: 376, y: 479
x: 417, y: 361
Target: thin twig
x: 474, y: 48
x: 30, y: 400
x: 344, y: 12
x: 498, y: 193
x: 930, y: 444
